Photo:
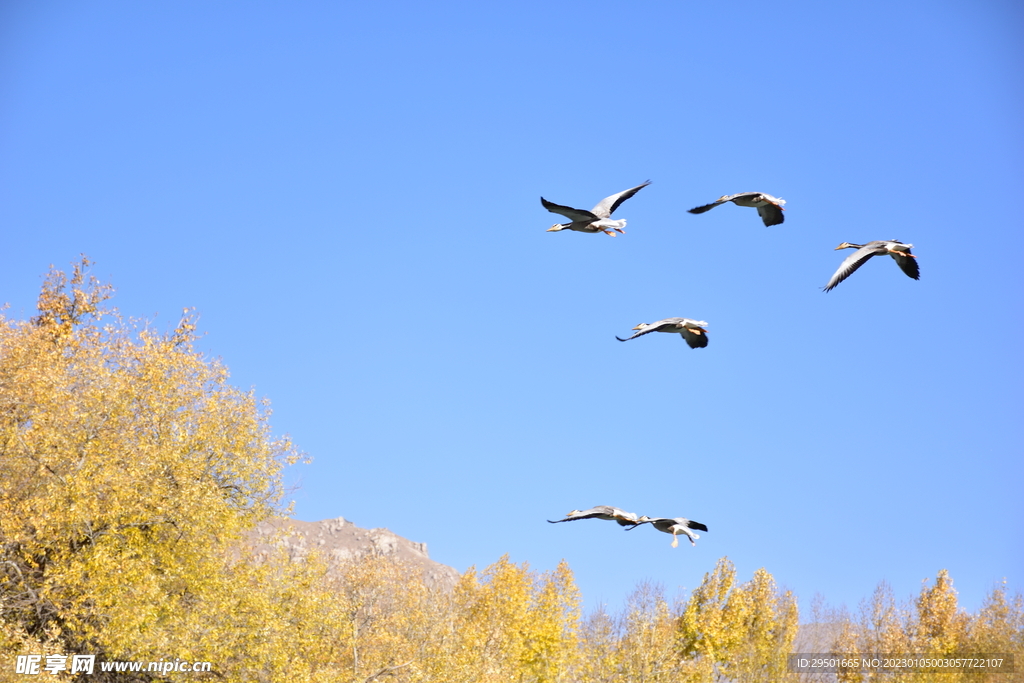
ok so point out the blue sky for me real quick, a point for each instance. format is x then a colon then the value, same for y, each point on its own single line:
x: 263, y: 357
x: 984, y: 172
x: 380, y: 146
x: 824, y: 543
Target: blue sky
x: 349, y: 196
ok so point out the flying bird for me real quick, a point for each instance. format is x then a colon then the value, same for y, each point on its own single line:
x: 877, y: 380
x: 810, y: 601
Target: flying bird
x: 899, y: 251
x: 602, y: 512
x: 597, y: 219
x: 674, y: 526
x: 692, y: 330
x: 768, y: 207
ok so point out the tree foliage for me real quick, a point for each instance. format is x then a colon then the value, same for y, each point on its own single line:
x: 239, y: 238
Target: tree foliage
x: 931, y: 624
x: 129, y: 471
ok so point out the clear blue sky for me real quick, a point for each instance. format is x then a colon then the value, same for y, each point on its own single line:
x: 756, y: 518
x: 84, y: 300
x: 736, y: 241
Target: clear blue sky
x: 349, y: 195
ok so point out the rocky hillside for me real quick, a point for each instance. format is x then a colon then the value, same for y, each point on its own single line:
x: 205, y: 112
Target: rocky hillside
x: 340, y: 540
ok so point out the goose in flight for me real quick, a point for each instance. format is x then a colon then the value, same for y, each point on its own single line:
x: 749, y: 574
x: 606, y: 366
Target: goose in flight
x: 768, y: 207
x: 597, y: 219
x: 692, y: 330
x: 674, y: 526
x: 602, y: 512
x: 899, y: 251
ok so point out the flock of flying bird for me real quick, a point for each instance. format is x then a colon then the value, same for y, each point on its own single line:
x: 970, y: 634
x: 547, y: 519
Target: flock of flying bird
x: 693, y: 332
x: 670, y: 525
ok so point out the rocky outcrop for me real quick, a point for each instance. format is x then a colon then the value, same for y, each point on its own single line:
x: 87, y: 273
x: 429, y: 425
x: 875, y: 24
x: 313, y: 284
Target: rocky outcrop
x: 339, y: 540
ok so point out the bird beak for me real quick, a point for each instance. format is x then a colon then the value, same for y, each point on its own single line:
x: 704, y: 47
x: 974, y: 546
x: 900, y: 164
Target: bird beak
x: 554, y: 228
x: 639, y: 327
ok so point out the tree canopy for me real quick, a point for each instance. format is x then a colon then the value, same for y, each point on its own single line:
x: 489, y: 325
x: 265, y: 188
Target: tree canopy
x: 129, y: 471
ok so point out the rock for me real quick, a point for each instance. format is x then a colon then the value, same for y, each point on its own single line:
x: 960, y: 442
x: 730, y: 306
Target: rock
x: 340, y: 540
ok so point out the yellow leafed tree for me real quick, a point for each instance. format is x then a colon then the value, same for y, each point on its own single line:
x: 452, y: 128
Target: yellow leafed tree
x: 505, y: 624
x: 941, y: 625
x: 129, y: 471
x: 997, y: 629
x: 739, y: 633
x: 767, y: 622
x: 932, y: 624
x: 705, y: 637
x: 883, y: 628
x: 600, y: 660
x: 551, y: 641
x: 647, y: 649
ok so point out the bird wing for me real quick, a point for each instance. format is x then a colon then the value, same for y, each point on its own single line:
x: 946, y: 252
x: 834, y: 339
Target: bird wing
x: 708, y: 207
x: 653, y: 327
x: 771, y: 214
x: 570, y: 518
x: 569, y: 212
x: 853, y: 262
x: 695, y: 525
x: 586, y: 514
x: 723, y: 200
x: 635, y: 335
x: 608, y: 205
x: 697, y: 338
x: 742, y: 195
x: 908, y: 264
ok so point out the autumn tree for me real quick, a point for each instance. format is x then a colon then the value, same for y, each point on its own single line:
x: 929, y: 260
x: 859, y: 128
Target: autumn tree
x: 647, y: 651
x: 931, y: 624
x: 883, y: 626
x: 600, y: 660
x: 998, y: 628
x: 552, y: 637
x: 941, y: 625
x: 493, y: 616
x: 510, y: 625
x: 999, y: 625
x: 705, y: 636
x: 737, y: 632
x: 767, y: 620
x: 130, y: 470
x: 393, y: 620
